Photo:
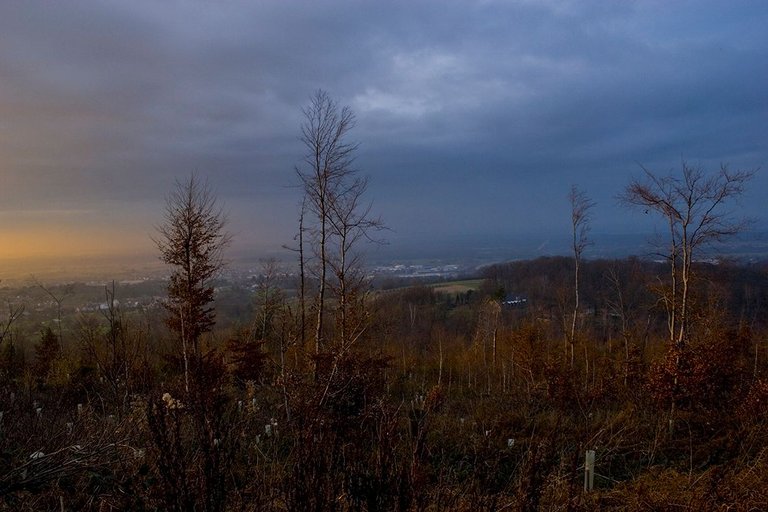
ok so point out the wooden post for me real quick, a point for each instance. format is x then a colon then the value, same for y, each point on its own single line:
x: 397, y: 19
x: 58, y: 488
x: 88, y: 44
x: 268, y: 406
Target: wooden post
x: 589, y: 470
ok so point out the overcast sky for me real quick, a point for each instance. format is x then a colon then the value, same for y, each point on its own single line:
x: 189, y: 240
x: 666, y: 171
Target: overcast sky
x: 472, y: 117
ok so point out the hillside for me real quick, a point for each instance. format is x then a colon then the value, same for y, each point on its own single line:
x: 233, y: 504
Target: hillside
x: 448, y: 399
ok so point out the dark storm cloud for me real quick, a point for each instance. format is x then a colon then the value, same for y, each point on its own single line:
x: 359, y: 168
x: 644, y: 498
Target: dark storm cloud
x: 472, y: 115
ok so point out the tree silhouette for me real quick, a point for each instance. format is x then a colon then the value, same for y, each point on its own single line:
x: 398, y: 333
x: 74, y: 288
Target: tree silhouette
x: 581, y: 206
x: 694, y: 207
x: 191, y: 241
x: 326, y: 167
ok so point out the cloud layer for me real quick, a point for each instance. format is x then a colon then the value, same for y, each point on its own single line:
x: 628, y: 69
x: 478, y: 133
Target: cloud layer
x: 473, y: 117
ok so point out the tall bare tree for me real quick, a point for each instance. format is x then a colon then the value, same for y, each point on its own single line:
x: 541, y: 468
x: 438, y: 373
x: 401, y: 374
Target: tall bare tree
x: 191, y: 240
x: 695, y: 208
x: 581, y: 207
x: 325, y: 171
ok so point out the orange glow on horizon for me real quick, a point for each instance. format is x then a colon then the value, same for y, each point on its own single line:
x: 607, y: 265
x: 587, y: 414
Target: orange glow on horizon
x: 66, y: 242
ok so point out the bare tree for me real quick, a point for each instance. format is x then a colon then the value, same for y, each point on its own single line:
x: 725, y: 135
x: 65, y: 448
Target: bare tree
x: 581, y: 206
x: 191, y: 240
x: 350, y: 222
x: 624, y: 299
x: 117, y: 350
x: 268, y: 299
x: 299, y: 249
x: 486, y: 333
x: 14, y: 312
x: 327, y: 165
x: 302, y: 275
x: 58, y: 299
x: 695, y: 208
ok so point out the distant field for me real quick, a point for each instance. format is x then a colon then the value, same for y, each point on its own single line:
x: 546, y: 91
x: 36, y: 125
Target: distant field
x: 453, y: 287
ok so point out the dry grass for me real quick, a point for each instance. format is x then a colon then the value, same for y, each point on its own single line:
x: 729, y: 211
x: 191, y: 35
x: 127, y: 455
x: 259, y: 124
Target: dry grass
x: 454, y: 287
